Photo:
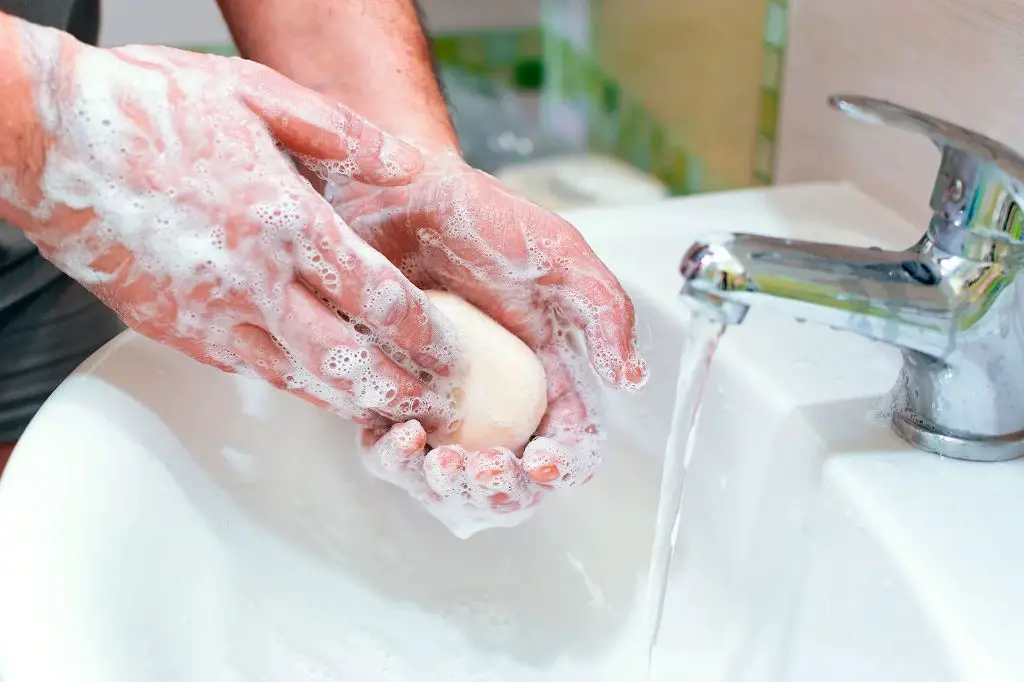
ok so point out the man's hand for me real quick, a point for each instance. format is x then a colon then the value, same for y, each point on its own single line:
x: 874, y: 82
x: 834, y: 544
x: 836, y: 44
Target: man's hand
x: 456, y: 228
x: 157, y: 181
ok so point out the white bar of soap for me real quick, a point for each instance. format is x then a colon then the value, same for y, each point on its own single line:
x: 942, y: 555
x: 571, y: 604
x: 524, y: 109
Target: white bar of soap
x: 502, y: 393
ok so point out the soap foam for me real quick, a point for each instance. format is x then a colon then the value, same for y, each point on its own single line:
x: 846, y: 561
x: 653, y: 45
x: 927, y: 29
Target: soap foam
x: 522, y: 271
x: 471, y: 492
x: 197, y: 211
x: 501, y: 252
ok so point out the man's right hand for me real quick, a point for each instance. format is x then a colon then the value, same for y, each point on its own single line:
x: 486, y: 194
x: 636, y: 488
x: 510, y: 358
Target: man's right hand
x: 154, y: 177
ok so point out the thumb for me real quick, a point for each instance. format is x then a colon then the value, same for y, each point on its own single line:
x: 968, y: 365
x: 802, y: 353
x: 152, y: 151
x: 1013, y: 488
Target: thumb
x: 332, y: 140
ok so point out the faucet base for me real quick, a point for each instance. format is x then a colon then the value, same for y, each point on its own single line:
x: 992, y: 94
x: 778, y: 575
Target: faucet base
x: 979, y: 449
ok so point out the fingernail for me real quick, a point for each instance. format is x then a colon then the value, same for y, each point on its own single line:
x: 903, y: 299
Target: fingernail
x: 545, y: 474
x: 450, y: 461
x: 504, y: 503
x: 635, y: 372
x: 489, y: 477
x: 492, y: 472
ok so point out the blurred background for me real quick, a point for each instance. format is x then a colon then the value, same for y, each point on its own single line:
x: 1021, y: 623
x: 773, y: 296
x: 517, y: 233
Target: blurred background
x: 577, y: 102
x: 587, y: 102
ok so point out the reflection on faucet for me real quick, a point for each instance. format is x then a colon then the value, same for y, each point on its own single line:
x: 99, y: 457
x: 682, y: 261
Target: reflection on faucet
x: 884, y: 295
x: 949, y: 302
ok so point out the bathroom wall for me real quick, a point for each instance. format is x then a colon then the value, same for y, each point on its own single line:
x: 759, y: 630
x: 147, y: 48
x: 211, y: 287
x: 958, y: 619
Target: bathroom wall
x: 684, y: 89
x: 182, y: 22
x: 696, y: 66
x: 962, y: 60
x: 498, y: 40
x: 197, y: 22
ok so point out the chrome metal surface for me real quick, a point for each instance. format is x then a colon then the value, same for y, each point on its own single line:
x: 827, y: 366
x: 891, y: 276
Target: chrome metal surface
x: 951, y: 301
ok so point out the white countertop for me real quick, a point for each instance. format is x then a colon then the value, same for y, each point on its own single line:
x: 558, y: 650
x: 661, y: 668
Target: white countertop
x: 954, y: 528
x: 932, y: 541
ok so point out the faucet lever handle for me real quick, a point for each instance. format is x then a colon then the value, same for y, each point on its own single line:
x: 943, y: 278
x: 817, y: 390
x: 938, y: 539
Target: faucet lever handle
x: 978, y: 184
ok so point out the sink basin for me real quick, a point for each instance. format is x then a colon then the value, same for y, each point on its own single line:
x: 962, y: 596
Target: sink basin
x: 163, y: 521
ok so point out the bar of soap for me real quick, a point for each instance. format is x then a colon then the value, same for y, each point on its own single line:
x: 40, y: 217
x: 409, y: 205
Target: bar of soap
x: 502, y: 395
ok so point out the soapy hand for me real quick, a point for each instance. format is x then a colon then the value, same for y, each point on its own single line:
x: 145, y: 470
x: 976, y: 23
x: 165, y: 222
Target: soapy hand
x: 155, y: 178
x: 456, y: 228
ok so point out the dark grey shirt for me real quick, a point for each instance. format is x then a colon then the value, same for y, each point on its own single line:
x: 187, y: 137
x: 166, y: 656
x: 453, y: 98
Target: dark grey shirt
x: 48, y: 324
x: 22, y: 270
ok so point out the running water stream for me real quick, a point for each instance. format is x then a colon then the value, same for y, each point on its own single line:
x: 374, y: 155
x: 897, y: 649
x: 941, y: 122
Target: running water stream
x: 694, y: 367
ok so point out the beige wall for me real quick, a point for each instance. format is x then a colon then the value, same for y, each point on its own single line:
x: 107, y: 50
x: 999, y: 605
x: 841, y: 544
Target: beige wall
x: 696, y: 66
x: 192, y: 22
x: 959, y: 59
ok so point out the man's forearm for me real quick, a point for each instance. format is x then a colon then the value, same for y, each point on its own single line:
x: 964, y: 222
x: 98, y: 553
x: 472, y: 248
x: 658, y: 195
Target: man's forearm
x: 371, y: 55
x: 30, y: 62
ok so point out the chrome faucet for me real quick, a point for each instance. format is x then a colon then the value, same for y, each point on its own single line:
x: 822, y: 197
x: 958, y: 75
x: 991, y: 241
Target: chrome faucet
x: 951, y: 302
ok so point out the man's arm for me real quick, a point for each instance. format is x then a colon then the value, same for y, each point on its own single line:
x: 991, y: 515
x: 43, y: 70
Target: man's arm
x: 30, y: 59
x: 371, y: 55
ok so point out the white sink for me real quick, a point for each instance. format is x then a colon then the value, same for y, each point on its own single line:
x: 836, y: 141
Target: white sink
x: 162, y: 521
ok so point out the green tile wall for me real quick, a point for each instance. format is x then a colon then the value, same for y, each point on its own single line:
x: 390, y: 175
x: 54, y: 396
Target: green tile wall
x: 512, y: 57
x: 771, y: 87
x: 618, y: 125
x: 528, y: 58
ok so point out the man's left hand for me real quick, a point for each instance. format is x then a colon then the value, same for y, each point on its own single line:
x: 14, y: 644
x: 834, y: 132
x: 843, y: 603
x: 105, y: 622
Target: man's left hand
x: 456, y: 228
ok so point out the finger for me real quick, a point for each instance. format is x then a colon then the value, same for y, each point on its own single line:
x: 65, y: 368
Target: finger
x: 354, y: 369
x: 589, y: 296
x: 163, y: 58
x: 567, y: 450
x: 472, y: 242
x: 491, y: 479
x: 495, y: 476
x: 444, y: 473
x: 359, y: 206
x: 331, y: 139
x: 250, y: 352
x: 595, y: 303
x: 256, y: 348
x: 397, y: 455
x: 236, y: 351
x: 369, y: 291
x: 464, y: 506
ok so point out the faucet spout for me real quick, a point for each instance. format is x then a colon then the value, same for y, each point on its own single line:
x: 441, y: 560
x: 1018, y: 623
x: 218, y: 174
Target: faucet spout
x: 956, y: 320
x: 898, y: 297
x: 951, y: 302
